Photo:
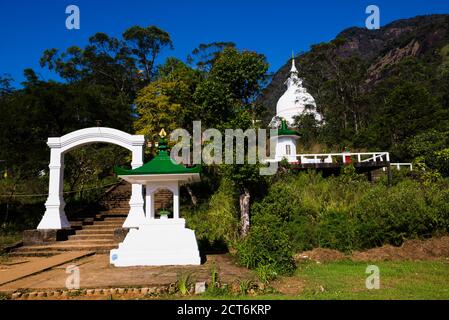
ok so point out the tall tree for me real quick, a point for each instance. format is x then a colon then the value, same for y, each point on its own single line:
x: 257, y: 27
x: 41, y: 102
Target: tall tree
x: 205, y: 55
x: 146, y: 44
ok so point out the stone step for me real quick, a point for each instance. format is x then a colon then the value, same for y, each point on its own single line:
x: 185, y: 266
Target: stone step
x: 109, y: 223
x: 94, y: 232
x: 115, y: 211
x: 85, y: 242
x: 113, y: 218
x: 68, y: 247
x: 112, y: 214
x: 109, y: 237
x: 117, y: 201
x: 32, y: 253
x: 99, y: 227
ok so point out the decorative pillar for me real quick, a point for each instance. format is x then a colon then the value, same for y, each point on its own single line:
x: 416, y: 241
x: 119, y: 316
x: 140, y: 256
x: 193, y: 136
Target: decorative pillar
x: 176, y: 201
x: 149, y: 203
x: 54, y: 216
x: 136, y: 215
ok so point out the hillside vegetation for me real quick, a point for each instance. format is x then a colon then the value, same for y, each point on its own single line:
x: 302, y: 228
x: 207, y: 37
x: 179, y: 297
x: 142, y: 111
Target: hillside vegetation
x: 377, y: 89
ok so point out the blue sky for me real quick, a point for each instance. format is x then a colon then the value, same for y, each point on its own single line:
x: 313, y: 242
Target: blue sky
x: 273, y: 28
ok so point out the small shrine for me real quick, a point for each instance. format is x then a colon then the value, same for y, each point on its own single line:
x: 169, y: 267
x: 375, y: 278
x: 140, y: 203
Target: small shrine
x: 286, y: 143
x: 160, y: 239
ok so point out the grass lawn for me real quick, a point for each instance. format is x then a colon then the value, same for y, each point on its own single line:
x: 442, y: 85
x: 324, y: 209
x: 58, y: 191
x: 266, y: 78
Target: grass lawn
x: 346, y: 280
x: 398, y: 280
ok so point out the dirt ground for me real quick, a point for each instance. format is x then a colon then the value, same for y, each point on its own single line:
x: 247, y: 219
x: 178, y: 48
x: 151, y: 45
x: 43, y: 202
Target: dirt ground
x: 431, y: 249
x: 96, y: 272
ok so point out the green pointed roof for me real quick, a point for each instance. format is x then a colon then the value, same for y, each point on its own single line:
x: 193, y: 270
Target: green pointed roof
x: 285, y: 131
x: 160, y: 164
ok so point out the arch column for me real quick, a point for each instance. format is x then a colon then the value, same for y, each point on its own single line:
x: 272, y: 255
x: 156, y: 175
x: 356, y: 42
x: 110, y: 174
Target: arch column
x: 54, y: 217
x: 136, y: 215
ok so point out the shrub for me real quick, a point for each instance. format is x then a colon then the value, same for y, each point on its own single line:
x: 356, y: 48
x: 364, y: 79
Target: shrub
x: 215, y: 222
x: 391, y: 215
x: 349, y: 213
x: 266, y: 273
x: 183, y: 283
x: 336, y: 230
x: 266, y: 245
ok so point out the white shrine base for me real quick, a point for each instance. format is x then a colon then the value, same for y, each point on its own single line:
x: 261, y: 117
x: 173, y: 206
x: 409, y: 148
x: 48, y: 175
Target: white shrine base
x: 157, y: 242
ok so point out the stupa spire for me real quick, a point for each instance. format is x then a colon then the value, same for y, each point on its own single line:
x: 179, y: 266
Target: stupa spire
x: 293, y: 69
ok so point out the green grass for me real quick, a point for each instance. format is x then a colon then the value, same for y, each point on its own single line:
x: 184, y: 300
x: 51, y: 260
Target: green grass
x: 398, y: 280
x: 7, y: 240
x: 402, y: 280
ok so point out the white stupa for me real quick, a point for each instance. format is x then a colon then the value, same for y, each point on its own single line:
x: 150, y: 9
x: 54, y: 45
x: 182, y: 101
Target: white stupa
x: 295, y: 101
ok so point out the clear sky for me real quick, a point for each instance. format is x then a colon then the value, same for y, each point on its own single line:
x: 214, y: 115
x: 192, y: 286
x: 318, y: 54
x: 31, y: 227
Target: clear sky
x: 273, y: 28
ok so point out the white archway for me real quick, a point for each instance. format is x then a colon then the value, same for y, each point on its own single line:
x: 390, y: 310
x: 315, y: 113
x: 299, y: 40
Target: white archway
x: 54, y: 217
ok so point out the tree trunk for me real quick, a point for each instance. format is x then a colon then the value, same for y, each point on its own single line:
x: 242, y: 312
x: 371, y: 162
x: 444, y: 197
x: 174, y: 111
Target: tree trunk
x: 5, y: 221
x: 244, y: 212
x: 192, y: 195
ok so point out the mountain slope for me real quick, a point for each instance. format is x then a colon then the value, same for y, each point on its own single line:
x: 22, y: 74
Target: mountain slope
x: 353, y: 77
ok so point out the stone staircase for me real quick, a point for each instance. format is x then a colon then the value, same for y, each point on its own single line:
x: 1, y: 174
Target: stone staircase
x: 93, y: 232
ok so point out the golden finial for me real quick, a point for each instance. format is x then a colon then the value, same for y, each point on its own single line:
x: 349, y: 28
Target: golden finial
x: 162, y: 134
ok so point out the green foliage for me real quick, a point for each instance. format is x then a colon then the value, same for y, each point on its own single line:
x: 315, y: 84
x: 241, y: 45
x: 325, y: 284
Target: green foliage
x: 217, y: 221
x: 336, y: 230
x: 266, y: 272
x: 391, y: 215
x: 215, y: 287
x: 162, y: 104
x: 184, y: 283
x: 244, y: 286
x: 266, y: 245
x: 347, y: 214
x: 146, y: 44
x: 308, y: 129
x: 205, y: 55
x: 235, y: 79
x: 430, y: 151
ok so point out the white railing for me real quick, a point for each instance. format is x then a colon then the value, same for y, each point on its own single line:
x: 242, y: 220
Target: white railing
x: 330, y: 157
x: 398, y: 165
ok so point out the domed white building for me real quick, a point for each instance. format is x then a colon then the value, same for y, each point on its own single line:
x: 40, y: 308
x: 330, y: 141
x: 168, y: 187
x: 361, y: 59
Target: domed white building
x: 295, y: 101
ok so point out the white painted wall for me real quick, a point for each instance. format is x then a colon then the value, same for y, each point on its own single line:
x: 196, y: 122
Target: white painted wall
x: 281, y: 148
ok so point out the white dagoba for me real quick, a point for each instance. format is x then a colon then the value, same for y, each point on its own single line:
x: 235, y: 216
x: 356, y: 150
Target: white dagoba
x: 295, y: 101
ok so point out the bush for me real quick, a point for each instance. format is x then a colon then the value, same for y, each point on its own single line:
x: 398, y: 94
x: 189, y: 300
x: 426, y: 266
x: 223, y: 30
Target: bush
x: 348, y: 213
x: 215, y: 223
x: 336, y: 230
x: 266, y: 245
x: 266, y: 272
x: 391, y: 215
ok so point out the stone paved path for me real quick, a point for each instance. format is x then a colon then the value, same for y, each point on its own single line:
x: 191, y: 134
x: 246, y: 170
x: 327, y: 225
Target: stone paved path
x: 96, y: 272
x: 16, y: 272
